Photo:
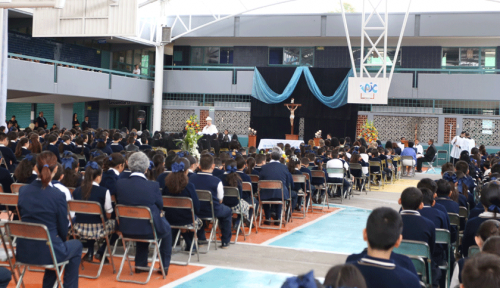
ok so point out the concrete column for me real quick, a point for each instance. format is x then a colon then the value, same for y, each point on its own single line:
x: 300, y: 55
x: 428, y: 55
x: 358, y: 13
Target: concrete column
x: 104, y: 114
x: 63, y: 114
x: 440, y: 139
x: 158, y: 95
x: 3, y: 63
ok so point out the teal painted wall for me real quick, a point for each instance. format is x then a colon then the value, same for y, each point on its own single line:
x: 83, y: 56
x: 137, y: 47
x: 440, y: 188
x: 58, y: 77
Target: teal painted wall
x: 79, y: 109
x: 105, y: 60
x: 22, y: 112
x: 48, y: 113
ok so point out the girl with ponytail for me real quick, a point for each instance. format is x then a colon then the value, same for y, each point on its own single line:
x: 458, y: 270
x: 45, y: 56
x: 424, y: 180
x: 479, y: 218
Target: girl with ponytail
x: 177, y: 185
x: 90, y: 226
x: 114, y: 164
x: 22, y: 148
x: 72, y: 178
x: 35, y: 146
x: 25, y: 171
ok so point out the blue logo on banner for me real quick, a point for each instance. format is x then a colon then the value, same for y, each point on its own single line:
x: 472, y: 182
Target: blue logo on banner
x: 369, y: 88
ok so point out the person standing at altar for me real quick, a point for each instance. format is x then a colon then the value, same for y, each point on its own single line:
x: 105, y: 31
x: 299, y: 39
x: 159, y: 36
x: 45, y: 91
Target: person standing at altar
x: 457, y: 143
x: 469, y: 143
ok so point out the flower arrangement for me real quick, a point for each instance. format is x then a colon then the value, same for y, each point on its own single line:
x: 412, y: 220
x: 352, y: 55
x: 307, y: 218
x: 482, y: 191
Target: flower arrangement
x: 369, y: 132
x: 251, y: 132
x: 190, y: 141
x: 317, y: 134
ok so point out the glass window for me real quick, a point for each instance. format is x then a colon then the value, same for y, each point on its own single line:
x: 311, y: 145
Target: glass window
x: 177, y: 56
x: 307, y: 57
x: 144, y: 64
x: 197, y: 55
x: 291, y: 56
x: 488, y: 57
x: 450, y: 57
x: 212, y: 55
x: 469, y: 57
x: 275, y: 55
x: 226, y: 55
x: 391, y: 52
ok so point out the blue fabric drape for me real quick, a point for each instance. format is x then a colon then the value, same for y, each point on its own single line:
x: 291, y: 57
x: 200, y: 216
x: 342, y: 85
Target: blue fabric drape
x: 262, y: 92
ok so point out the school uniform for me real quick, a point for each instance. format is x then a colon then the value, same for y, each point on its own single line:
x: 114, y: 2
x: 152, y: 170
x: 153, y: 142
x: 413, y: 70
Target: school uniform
x: 53, y: 148
x: 385, y: 273
x: 107, y: 150
x: 476, y: 211
x: 150, y: 196
x: 296, y: 187
x: 161, y: 179
x: 116, y: 147
x: 125, y: 174
x: 231, y: 202
x: 5, y: 277
x: 13, y: 145
x: 338, y: 177
x: 246, y: 196
x: 418, y: 228
x: 97, y: 194
x: 109, y: 179
x: 217, y: 172
x: 304, y: 170
x: 145, y: 147
x: 9, y: 156
x: 67, y: 147
x: 276, y: 171
x: 25, y: 151
x: 206, y: 181
x: 256, y: 170
x: 471, y: 228
x: 48, y: 207
x: 398, y: 259
x: 450, y: 205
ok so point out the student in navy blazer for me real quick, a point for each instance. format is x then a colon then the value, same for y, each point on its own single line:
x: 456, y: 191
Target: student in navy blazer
x: 42, y: 203
x: 204, y: 180
x: 115, y: 145
x: 24, y: 173
x: 22, y: 148
x: 51, y: 146
x: 274, y: 170
x: 178, y: 186
x: 418, y: 228
x: 379, y: 266
x: 138, y: 191
x: 113, y: 166
x: 399, y: 259
x: 7, y: 153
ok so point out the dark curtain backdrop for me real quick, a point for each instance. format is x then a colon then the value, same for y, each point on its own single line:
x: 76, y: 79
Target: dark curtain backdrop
x: 272, y: 121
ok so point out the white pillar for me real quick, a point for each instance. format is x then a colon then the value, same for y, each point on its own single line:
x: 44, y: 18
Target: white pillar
x: 3, y: 64
x: 63, y: 115
x: 158, y: 95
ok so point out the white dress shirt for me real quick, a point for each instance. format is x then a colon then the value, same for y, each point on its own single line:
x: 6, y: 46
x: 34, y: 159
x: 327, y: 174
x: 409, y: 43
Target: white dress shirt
x: 420, y: 149
x: 107, y: 201
x: 209, y: 130
x: 336, y: 163
x: 457, y: 143
x: 66, y: 192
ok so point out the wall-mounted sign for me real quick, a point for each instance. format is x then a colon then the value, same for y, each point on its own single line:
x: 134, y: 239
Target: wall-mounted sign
x: 116, y: 102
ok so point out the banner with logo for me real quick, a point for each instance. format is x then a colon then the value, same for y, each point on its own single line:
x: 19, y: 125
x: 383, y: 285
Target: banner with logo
x: 368, y: 90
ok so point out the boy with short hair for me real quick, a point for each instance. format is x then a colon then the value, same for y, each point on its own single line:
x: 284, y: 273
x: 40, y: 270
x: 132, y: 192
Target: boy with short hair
x: 260, y: 160
x: 443, y: 196
x: 483, y: 271
x: 383, y: 234
x: 116, y: 147
x: 218, y: 169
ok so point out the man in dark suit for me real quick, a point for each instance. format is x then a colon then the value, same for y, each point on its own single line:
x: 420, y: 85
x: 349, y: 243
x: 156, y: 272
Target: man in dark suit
x: 429, y: 155
x: 42, y: 122
x: 275, y: 171
x: 136, y: 190
x: 86, y: 124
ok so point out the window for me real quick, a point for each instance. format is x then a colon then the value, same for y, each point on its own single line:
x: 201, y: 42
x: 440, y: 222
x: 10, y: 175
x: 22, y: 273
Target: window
x: 211, y: 55
x: 488, y: 126
x: 294, y: 56
x: 144, y: 64
x: 469, y: 57
x: 375, y: 59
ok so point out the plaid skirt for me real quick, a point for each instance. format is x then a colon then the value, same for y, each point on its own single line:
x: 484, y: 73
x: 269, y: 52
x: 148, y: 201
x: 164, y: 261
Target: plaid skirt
x: 199, y: 224
x: 244, y: 206
x: 94, y: 231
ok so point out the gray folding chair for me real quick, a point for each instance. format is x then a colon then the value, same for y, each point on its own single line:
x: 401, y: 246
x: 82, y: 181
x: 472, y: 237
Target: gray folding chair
x: 319, y: 174
x: 301, y: 179
x: 36, y: 232
x: 247, y: 187
x: 206, y: 196
x: 185, y: 203
x: 308, y: 180
x: 362, y: 179
x: 403, y: 167
x: 431, y: 164
x: 373, y: 175
x: 233, y: 192
x: 334, y: 186
x: 265, y: 185
x: 90, y: 208
x: 138, y: 213
x: 443, y: 237
x: 417, y: 249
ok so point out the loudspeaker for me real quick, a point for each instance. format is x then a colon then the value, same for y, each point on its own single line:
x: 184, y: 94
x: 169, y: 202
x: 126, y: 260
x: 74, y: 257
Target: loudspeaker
x: 141, y: 116
x: 166, y: 34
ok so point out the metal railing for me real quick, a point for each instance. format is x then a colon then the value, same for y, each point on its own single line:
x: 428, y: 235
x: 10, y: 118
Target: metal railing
x: 213, y: 68
x: 56, y: 64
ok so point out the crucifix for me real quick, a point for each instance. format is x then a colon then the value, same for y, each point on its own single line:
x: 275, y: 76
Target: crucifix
x: 292, y: 107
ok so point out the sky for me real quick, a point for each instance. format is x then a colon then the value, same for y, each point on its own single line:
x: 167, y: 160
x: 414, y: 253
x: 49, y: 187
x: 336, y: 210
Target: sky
x: 197, y: 7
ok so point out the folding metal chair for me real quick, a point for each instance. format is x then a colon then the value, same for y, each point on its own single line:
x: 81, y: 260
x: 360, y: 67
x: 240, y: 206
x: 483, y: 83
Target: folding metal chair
x: 71, y: 190
x: 308, y: 181
x: 14, y: 187
x: 443, y: 237
x: 271, y: 185
x: 36, y: 232
x: 9, y: 255
x: 455, y: 221
x: 233, y: 192
x: 419, y: 264
x: 10, y: 200
x: 397, y: 167
x: 301, y: 179
x: 473, y: 250
x: 417, y: 249
x: 384, y: 166
x: 90, y: 208
x: 334, y: 186
x: 362, y: 179
x: 431, y: 164
x: 247, y: 188
x: 139, y: 213
x: 403, y: 167
x: 206, y: 196
x: 319, y: 174
x: 185, y: 203
x: 373, y: 175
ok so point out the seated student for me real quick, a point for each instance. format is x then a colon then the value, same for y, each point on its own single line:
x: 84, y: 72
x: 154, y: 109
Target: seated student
x: 418, y: 228
x: 145, y: 144
x: 250, y: 165
x: 204, y: 180
x: 115, y: 145
x: 177, y: 185
x: 293, y: 167
x: 443, y: 196
x: 22, y: 148
x: 231, y: 178
x: 7, y: 153
x: 356, y: 158
x: 56, y: 182
x: 138, y: 191
x: 304, y: 281
x: 90, y: 226
x: 171, y: 159
x: 114, y: 164
x: 275, y: 171
x: 312, y: 159
x: 72, y: 177
x: 490, y: 199
x: 409, y: 151
x: 80, y: 149
x: 103, y: 146
x: 131, y: 145
x: 338, y: 177
x: 243, y: 171
x: 304, y: 162
x: 465, y: 180
x: 24, y: 173
x: 489, y: 228
x: 482, y: 271
x: 219, y: 169
x: 318, y: 183
x: 432, y: 186
x: 346, y: 275
x: 50, y: 145
x: 126, y: 172
x: 383, y: 233
x: 65, y: 145
x: 260, y: 160
x: 193, y: 161
x: 457, y: 187
x: 41, y: 203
